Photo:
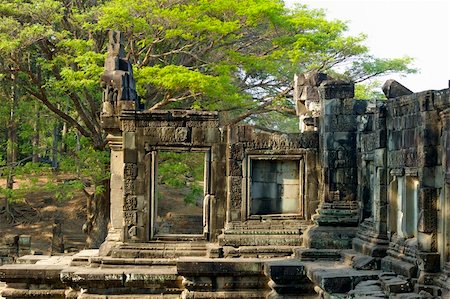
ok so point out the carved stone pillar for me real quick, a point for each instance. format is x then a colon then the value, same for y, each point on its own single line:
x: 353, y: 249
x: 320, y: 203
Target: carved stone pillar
x: 115, y: 232
x: 372, y: 238
x: 445, y: 140
x: 338, y: 213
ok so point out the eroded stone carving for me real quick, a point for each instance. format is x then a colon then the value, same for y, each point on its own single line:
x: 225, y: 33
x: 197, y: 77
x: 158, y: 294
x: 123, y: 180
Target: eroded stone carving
x: 117, y: 81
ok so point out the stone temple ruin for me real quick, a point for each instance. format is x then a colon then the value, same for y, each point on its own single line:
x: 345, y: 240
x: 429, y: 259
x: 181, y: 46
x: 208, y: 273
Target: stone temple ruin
x: 355, y: 206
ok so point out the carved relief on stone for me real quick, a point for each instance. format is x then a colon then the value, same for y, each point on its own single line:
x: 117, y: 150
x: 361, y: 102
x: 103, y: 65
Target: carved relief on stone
x: 128, y: 126
x: 237, y: 151
x: 130, y: 218
x: 130, y: 203
x: 128, y: 186
x: 132, y: 231
x: 236, y: 192
x: 130, y: 170
x: 117, y: 81
x: 181, y: 134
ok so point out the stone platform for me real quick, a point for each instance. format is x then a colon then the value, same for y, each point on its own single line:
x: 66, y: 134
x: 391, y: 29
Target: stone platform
x: 307, y: 273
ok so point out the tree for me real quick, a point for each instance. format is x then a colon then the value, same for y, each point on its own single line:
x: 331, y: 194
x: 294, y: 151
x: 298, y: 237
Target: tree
x: 236, y: 56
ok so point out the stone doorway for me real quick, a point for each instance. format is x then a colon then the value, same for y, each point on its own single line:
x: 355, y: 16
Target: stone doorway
x: 180, y: 185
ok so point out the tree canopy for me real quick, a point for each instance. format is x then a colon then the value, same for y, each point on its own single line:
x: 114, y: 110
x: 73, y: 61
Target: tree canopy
x: 228, y: 55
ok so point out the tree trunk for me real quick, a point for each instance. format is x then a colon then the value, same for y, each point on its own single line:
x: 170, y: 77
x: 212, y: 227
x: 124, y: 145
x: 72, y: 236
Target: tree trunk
x: 55, y: 145
x: 36, y: 134
x: 63, y: 138
x: 10, y: 186
x: 98, y: 214
x: 12, y: 147
x: 78, y: 149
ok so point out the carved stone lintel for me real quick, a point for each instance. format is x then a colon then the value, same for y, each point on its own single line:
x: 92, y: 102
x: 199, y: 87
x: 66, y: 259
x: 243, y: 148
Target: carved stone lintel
x: 397, y: 172
x: 411, y: 171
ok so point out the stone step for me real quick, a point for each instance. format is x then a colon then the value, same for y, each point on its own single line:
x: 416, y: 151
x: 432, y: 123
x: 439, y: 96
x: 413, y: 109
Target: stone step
x: 237, y: 240
x: 31, y: 259
x: 402, y: 267
x: 155, y: 279
x: 393, y: 284
x: 129, y: 296
x: 111, y: 261
x: 165, y: 244
x: 288, y: 278
x: 360, y: 261
x: 157, y: 253
x: 83, y: 257
x: 309, y: 254
x: 434, y: 291
x: 367, y: 289
x: 334, y: 277
x: 258, y: 252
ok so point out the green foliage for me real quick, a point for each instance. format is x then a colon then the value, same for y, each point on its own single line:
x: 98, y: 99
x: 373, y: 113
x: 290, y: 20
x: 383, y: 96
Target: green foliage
x: 227, y: 55
x: 183, y: 171
x: 29, y: 175
x: 177, y: 169
x: 370, y: 67
x: 63, y: 190
x: 367, y: 91
x: 195, y: 192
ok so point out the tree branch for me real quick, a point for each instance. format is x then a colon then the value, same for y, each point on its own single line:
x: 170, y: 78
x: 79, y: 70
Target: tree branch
x: 260, y: 107
x: 171, y: 100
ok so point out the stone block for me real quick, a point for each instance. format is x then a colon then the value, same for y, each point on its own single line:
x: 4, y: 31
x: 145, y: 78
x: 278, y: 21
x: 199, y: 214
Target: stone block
x: 393, y: 89
x: 429, y: 262
x: 359, y: 107
x: 318, y: 254
x: 340, y: 123
x: 430, y: 156
x: 130, y: 217
x: 391, y: 264
x: 409, y: 137
x: 324, y: 237
x: 245, y: 133
x: 396, y: 285
x: 364, y: 263
x: 336, y: 90
x: 395, y: 140
x: 430, y: 135
x: 130, y: 203
x: 410, y: 157
x: 427, y: 222
x: 219, y: 267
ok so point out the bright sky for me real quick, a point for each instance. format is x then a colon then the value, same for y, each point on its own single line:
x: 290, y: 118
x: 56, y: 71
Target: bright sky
x: 396, y: 28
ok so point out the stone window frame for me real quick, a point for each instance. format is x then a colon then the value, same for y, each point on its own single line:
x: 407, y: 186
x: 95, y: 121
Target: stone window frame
x: 153, y: 167
x: 247, y: 194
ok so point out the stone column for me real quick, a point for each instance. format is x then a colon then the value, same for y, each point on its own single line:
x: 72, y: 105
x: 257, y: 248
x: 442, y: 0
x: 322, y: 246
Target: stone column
x: 428, y: 190
x: 372, y: 232
x: 338, y: 213
x: 115, y: 232
x: 445, y: 141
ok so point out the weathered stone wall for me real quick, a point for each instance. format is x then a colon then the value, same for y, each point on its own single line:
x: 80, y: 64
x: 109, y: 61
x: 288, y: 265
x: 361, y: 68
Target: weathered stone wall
x: 401, y: 183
